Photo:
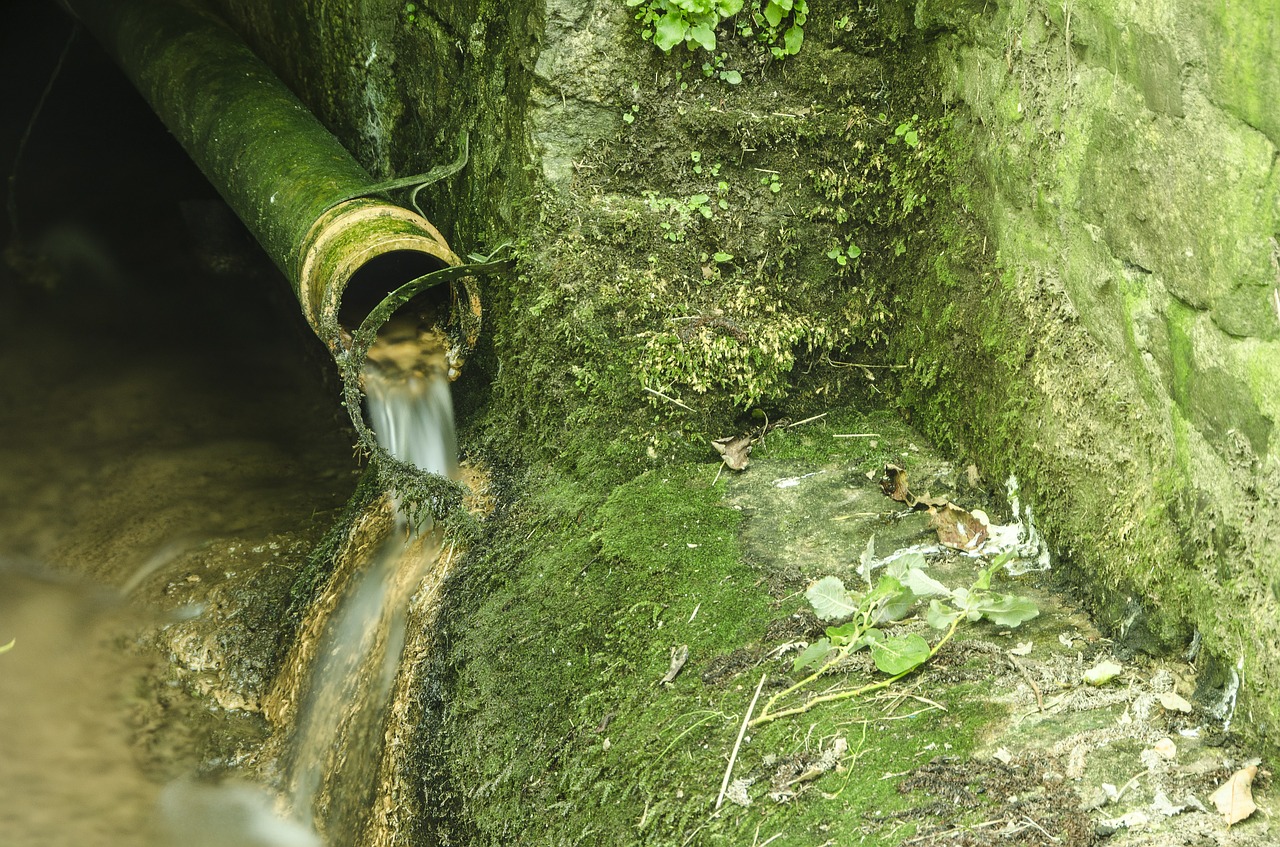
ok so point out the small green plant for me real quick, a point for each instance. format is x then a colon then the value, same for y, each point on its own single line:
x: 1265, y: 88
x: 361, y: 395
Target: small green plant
x: 410, y: 13
x: 843, y: 255
x: 906, y: 132
x: 689, y: 22
x: 905, y: 582
x: 693, y: 23
x: 785, y: 18
x: 682, y: 212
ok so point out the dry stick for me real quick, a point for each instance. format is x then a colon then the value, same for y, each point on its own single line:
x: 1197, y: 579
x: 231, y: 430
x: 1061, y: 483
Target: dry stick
x: 662, y: 396
x: 742, y: 730
x: 855, y: 435
x: 807, y: 420
x: 1018, y: 666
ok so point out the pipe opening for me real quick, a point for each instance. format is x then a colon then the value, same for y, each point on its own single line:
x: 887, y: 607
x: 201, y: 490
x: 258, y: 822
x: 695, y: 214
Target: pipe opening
x: 381, y: 275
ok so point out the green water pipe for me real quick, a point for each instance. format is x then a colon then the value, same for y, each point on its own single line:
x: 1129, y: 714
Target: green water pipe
x: 297, y: 189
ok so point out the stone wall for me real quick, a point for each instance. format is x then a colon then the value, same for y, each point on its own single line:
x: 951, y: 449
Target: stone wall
x: 1124, y: 167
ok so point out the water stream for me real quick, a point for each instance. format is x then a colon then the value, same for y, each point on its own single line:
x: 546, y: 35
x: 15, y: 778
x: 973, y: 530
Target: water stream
x: 341, y: 727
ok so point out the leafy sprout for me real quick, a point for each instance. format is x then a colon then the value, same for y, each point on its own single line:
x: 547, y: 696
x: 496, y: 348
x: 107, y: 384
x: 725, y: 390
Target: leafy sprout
x: 904, y: 583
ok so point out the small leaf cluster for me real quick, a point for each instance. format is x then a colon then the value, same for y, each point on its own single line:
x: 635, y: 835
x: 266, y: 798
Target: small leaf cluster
x: 689, y: 22
x: 781, y: 17
x: 843, y: 255
x: 905, y: 581
x: 693, y: 23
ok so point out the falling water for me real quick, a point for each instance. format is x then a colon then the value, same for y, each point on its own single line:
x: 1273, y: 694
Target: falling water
x: 342, y: 724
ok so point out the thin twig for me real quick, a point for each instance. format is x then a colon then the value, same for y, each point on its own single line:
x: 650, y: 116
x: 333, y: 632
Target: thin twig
x: 1052, y: 838
x: 856, y: 435
x: 807, y: 420
x: 662, y: 396
x: 742, y: 730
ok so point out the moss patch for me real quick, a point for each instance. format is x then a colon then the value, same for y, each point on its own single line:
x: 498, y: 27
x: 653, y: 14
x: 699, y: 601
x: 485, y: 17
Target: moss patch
x: 570, y: 615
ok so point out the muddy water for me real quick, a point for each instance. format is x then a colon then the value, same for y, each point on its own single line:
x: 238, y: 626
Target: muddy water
x: 169, y: 451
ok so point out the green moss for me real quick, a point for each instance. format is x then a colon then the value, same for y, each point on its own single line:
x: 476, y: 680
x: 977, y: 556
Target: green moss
x: 567, y: 621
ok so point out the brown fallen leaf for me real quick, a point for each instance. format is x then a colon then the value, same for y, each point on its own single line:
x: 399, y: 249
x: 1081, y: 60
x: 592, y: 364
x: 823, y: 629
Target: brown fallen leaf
x: 894, y: 485
x: 957, y: 528
x: 734, y: 449
x: 1234, y: 798
x: 926, y: 502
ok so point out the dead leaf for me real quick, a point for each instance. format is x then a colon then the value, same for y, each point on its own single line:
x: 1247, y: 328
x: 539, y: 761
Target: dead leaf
x: 956, y: 528
x: 1234, y: 798
x: 926, y: 502
x: 679, y: 655
x: 894, y: 485
x: 734, y: 449
x: 1174, y: 702
x: 1024, y: 648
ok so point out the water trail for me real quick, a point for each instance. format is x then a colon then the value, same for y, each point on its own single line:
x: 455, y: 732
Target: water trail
x: 339, y: 739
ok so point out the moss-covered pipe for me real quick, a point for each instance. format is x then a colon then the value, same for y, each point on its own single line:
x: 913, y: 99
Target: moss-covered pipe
x: 292, y: 183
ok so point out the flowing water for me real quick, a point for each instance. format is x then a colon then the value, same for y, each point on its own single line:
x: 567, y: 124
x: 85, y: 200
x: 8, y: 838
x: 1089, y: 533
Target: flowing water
x: 341, y: 728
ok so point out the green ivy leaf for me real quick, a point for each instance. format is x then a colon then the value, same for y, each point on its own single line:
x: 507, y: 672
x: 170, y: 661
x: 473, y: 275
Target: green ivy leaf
x: 728, y: 8
x: 1005, y: 609
x: 669, y: 31
x: 871, y: 636
x: 891, y: 599
x: 900, y: 653
x: 899, y: 566
x: 704, y: 36
x: 731, y: 77
x: 923, y: 585
x: 940, y: 615
x: 792, y: 42
x: 773, y: 13
x: 830, y: 600
x: 844, y: 633
x: 812, y: 655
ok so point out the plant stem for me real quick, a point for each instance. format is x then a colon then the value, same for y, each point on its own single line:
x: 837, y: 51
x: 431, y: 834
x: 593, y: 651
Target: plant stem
x: 766, y: 715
